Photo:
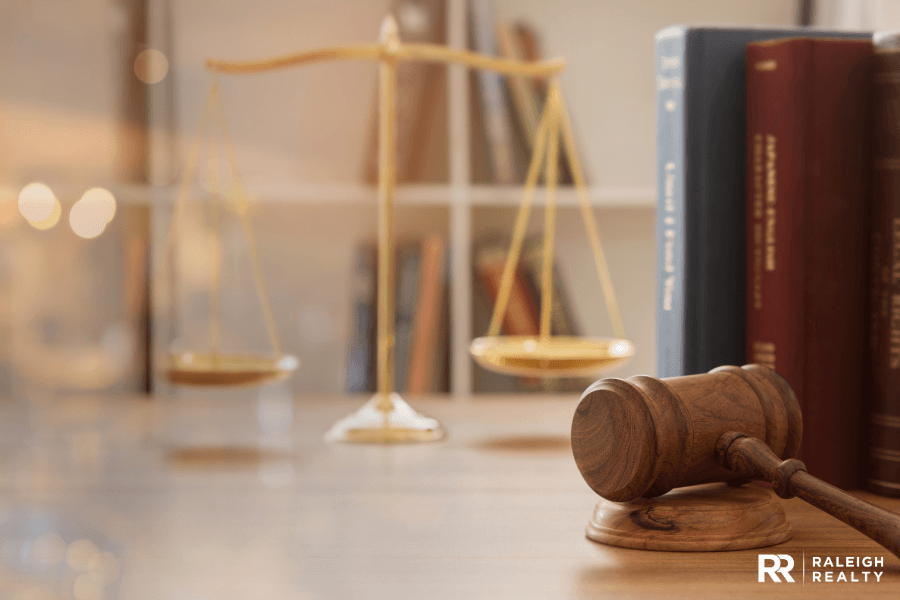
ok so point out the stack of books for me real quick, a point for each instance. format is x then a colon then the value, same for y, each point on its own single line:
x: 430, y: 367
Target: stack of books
x: 504, y: 111
x: 522, y: 316
x: 421, y: 318
x: 778, y: 227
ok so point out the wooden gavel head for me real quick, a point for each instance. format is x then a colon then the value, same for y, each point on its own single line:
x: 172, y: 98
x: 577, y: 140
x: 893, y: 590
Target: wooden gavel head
x: 644, y: 436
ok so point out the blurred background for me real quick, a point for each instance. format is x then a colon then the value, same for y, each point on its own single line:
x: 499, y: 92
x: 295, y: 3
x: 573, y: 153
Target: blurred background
x: 100, y: 101
x: 108, y: 94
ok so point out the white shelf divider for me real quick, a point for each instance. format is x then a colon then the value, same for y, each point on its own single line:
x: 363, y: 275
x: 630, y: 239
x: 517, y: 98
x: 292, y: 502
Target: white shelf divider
x: 460, y: 212
x: 429, y: 194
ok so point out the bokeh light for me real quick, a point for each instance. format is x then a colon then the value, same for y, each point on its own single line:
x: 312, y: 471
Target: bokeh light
x: 151, y: 66
x: 50, y: 221
x: 81, y: 554
x: 86, y: 588
x: 104, y: 568
x: 9, y: 211
x: 37, y: 203
x: 49, y: 549
x: 91, y: 214
x: 103, y: 200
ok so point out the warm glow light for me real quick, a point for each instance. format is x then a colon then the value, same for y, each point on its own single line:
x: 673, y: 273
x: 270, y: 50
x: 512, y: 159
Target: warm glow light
x: 48, y: 550
x: 151, y: 66
x: 85, y: 588
x: 104, y: 568
x: 81, y: 554
x: 9, y: 212
x: 102, y: 200
x: 90, y: 215
x: 50, y: 221
x: 37, y: 202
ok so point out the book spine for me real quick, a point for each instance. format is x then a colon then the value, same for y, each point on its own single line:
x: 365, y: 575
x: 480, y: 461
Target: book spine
x: 532, y: 262
x: 408, y: 258
x: 419, y: 105
x: 562, y: 321
x: 426, y: 327
x: 777, y: 79
x: 837, y: 176
x: 807, y: 102
x: 670, y: 230
x: 360, y: 364
x: 884, y: 329
x: 521, y: 88
x: 496, y: 110
x: 521, y: 317
x: 520, y: 42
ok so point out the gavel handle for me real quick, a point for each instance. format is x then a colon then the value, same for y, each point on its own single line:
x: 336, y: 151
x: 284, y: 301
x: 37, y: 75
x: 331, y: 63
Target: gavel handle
x: 753, y: 459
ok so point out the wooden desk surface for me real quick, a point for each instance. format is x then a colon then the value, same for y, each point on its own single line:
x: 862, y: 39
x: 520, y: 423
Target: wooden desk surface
x: 214, y: 499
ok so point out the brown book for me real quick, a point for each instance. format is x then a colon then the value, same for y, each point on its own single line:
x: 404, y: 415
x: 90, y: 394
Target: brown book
x: 494, y: 102
x: 522, y: 89
x: 519, y: 42
x: 562, y: 319
x: 521, y: 316
x: 421, y: 101
x: 884, y: 307
x: 480, y: 159
x: 807, y: 104
x: 423, y: 357
x: 528, y: 42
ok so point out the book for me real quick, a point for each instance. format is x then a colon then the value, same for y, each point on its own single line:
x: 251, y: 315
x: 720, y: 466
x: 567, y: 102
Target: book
x: 421, y: 95
x: 807, y: 108
x: 408, y: 257
x: 479, y: 155
x: 361, y: 360
x: 521, y: 317
x: 441, y: 375
x: 424, y: 357
x: 526, y: 94
x: 523, y: 92
x: 527, y: 41
x: 883, y: 469
x: 562, y: 320
x: 701, y: 194
x: 495, y: 107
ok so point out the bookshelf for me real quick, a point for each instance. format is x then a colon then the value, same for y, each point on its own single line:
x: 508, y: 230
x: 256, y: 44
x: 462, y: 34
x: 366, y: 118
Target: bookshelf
x: 433, y: 194
x: 315, y: 174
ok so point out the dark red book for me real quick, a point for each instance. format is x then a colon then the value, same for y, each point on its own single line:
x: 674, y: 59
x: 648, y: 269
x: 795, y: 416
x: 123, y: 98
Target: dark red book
x: 421, y: 96
x: 521, y: 317
x: 884, y: 411
x: 807, y: 108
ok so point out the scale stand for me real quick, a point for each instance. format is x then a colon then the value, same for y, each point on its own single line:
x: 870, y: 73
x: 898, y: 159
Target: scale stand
x: 386, y: 418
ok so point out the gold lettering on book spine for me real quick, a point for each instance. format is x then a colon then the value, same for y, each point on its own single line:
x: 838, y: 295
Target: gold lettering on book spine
x: 757, y: 223
x: 669, y: 237
x: 771, y: 156
x: 894, y: 329
x: 764, y: 354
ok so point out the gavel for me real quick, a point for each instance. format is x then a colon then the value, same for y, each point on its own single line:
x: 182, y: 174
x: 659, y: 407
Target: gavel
x: 645, y: 436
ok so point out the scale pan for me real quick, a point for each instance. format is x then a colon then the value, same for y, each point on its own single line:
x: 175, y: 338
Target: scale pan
x: 555, y: 356
x: 190, y: 368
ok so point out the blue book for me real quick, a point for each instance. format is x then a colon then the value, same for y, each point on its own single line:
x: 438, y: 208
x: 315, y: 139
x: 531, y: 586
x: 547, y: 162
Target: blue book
x: 361, y: 362
x: 406, y: 303
x: 701, y: 191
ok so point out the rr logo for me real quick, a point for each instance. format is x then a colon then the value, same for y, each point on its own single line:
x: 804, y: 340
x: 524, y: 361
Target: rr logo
x: 775, y: 568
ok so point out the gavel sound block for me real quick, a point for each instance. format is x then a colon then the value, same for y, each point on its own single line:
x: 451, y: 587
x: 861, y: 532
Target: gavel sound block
x: 636, y: 440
